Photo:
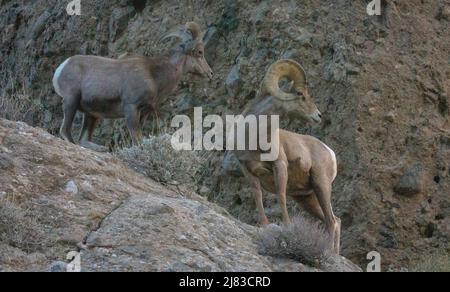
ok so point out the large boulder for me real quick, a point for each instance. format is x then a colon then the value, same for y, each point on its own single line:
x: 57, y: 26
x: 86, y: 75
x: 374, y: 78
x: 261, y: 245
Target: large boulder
x: 59, y: 198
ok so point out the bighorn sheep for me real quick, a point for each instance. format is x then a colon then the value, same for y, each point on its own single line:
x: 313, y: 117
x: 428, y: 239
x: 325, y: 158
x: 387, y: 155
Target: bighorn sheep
x: 305, y: 168
x: 129, y: 87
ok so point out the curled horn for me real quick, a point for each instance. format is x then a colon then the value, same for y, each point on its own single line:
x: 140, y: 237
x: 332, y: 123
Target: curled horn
x: 284, y: 68
x: 191, y: 31
x: 195, y: 30
x: 179, y: 33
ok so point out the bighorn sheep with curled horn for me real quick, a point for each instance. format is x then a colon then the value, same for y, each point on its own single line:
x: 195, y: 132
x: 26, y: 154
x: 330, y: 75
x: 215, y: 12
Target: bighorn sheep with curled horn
x: 305, y: 168
x: 129, y: 87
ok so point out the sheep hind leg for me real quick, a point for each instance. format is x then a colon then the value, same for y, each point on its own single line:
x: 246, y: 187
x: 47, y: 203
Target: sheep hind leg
x: 322, y: 188
x: 89, y: 124
x: 311, y: 205
x: 70, y: 107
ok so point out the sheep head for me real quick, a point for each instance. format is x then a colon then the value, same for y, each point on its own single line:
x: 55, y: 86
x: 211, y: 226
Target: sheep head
x: 193, y: 46
x: 296, y: 101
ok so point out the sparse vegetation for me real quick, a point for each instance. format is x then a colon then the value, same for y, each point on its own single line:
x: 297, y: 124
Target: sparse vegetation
x: 20, y: 228
x: 304, y: 240
x: 16, y: 106
x: 438, y: 262
x: 157, y: 159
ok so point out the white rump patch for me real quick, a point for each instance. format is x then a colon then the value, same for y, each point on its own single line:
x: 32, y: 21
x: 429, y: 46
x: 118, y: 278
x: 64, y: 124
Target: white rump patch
x: 333, y: 157
x: 57, y: 75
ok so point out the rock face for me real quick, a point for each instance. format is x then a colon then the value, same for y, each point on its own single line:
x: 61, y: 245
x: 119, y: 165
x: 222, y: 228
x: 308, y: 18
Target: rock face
x: 381, y: 82
x: 117, y: 219
x: 412, y: 182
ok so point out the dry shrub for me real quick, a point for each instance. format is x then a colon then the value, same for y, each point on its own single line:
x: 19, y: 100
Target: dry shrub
x: 20, y: 228
x: 16, y: 103
x: 303, y: 240
x: 16, y: 107
x: 157, y: 159
x: 438, y: 262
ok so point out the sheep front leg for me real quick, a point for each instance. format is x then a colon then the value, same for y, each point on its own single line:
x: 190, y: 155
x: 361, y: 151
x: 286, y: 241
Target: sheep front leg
x: 281, y: 180
x: 337, y: 236
x: 132, y: 115
x: 259, y: 202
x: 256, y: 186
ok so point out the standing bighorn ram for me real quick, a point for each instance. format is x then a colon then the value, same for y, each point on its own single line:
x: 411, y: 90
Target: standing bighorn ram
x: 130, y: 87
x: 305, y: 168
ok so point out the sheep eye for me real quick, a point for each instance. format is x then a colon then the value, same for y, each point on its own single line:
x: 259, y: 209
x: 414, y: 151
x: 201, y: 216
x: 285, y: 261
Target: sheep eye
x: 301, y: 96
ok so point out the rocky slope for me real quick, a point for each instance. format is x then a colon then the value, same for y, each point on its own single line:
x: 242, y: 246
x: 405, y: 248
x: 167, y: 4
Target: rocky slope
x: 57, y: 198
x: 382, y: 83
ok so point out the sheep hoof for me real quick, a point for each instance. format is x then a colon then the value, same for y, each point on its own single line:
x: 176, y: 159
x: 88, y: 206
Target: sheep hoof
x: 93, y: 146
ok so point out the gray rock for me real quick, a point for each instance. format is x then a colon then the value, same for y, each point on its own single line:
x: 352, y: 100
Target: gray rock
x: 48, y: 116
x: 304, y: 38
x: 191, y: 237
x: 261, y: 12
x: 292, y: 54
x: 118, y: 22
x: 211, y: 33
x: 131, y: 223
x: 5, y: 161
x: 233, y: 81
x: 71, y: 188
x: 445, y: 141
x: 336, y: 263
x: 229, y: 21
x: 39, y: 25
x: 390, y: 117
x: 230, y: 165
x: 412, y: 182
x: 204, y: 190
x: 444, y: 13
x: 58, y: 267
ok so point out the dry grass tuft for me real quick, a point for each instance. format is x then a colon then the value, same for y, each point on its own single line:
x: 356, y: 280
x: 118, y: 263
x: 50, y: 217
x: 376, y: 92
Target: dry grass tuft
x: 16, y: 102
x: 156, y: 159
x: 438, y: 262
x: 20, y: 228
x: 302, y: 240
x: 16, y: 106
